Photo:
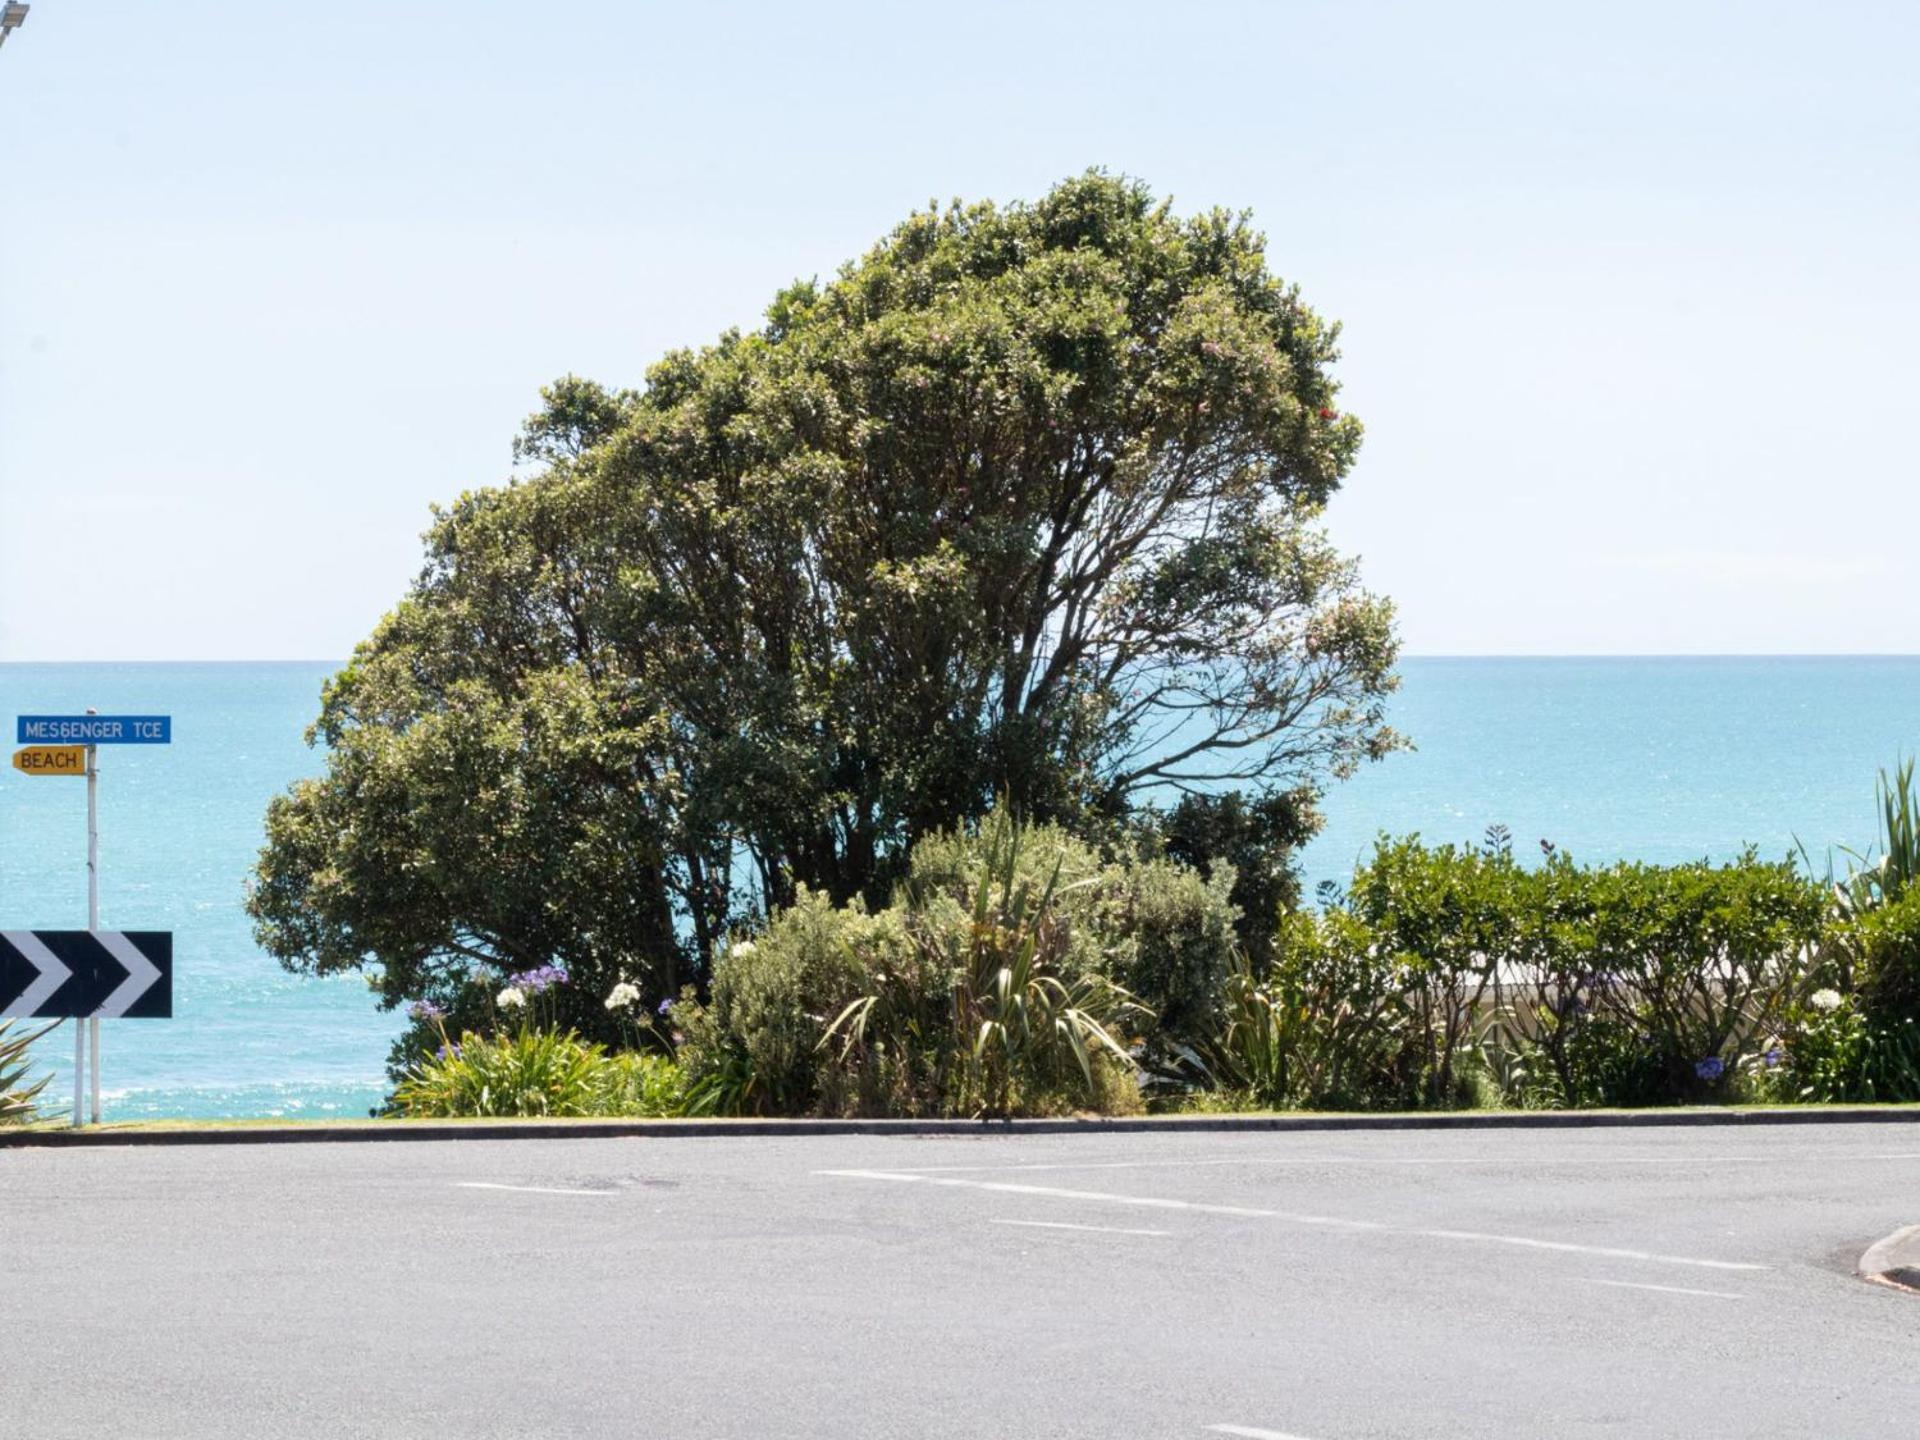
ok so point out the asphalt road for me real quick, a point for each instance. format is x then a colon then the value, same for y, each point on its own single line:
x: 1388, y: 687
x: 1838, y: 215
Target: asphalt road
x: 1686, y: 1283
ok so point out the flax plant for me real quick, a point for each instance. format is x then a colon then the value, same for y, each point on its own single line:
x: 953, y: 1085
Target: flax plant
x: 1018, y: 1015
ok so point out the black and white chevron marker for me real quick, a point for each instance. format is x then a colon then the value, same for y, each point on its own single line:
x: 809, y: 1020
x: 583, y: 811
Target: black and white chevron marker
x: 69, y: 974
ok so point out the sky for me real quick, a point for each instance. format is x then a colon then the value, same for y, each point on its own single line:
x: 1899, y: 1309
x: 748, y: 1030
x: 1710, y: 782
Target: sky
x: 1630, y: 292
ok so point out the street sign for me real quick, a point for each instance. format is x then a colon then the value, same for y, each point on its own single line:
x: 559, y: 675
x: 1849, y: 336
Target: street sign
x: 95, y: 730
x: 51, y: 760
x: 73, y: 974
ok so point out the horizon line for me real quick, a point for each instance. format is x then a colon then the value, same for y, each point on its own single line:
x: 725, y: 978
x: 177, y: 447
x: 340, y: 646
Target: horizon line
x: 1410, y: 655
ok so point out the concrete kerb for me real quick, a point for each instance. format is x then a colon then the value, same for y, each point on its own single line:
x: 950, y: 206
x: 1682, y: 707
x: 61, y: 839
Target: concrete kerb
x: 313, y: 1132
x: 1895, y: 1260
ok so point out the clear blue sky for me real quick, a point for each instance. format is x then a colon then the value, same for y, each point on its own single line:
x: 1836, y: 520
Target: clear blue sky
x: 1631, y: 292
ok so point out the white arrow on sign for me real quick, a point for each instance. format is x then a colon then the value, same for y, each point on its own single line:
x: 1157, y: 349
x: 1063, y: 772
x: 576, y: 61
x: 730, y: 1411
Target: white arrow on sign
x: 53, y: 973
x: 141, y: 973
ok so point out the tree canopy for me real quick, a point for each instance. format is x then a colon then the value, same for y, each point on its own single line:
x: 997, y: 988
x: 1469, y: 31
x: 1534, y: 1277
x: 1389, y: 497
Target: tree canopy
x: 1024, y: 503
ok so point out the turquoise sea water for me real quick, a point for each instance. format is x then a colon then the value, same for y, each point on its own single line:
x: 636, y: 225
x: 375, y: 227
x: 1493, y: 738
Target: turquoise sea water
x: 1663, y: 759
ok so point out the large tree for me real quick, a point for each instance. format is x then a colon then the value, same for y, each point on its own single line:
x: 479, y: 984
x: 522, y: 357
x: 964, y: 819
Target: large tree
x: 1026, y: 502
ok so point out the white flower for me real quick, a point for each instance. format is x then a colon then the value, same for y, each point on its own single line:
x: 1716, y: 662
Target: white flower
x: 1824, y: 999
x: 745, y: 947
x: 623, y: 997
x: 511, y: 998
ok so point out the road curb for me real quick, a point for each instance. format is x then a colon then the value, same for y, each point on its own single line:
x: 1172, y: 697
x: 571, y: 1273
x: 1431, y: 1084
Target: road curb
x: 1895, y: 1260
x: 322, y: 1132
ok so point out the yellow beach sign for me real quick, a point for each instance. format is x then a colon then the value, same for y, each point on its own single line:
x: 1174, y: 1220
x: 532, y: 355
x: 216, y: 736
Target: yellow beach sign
x: 51, y: 760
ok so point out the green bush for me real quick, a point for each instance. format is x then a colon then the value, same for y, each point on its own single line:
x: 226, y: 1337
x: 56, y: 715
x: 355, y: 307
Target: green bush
x: 986, y: 987
x: 1886, y: 945
x: 1448, y: 920
x: 1157, y: 928
x: 1455, y: 976
x: 640, y: 1085
x: 537, y: 1071
x: 17, y: 1093
x: 1324, y: 1029
x: 1837, y: 1051
x: 754, y: 1048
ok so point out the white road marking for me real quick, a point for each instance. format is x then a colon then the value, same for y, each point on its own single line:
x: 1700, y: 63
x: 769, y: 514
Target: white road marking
x: 526, y: 1189
x: 1291, y: 1217
x: 1063, y: 1225
x: 1671, y: 1289
x: 1393, y: 1160
x: 1250, y: 1432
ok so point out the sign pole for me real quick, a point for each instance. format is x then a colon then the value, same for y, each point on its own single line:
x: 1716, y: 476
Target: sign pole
x: 93, y: 901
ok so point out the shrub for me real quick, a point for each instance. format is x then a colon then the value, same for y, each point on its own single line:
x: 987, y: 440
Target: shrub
x: 1170, y: 940
x: 986, y: 987
x: 1447, y: 920
x: 17, y: 1094
x: 1886, y: 944
x: 1836, y: 1051
x: 1703, y: 960
x: 1026, y: 1010
x: 1450, y: 975
x: 754, y: 1048
x: 641, y: 1085
x: 1323, y: 1029
x: 529, y: 1072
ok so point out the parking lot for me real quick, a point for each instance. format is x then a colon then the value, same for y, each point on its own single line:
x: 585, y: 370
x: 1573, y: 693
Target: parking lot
x: 1318, y: 1286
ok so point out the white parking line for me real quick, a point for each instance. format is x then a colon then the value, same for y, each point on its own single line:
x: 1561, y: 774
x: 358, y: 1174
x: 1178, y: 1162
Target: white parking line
x: 1063, y: 1225
x: 525, y: 1189
x: 1291, y: 1217
x: 1251, y: 1432
x: 1671, y: 1289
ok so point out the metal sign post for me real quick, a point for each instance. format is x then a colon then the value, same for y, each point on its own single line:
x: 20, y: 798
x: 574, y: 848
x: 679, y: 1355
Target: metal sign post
x: 61, y: 745
x: 93, y: 902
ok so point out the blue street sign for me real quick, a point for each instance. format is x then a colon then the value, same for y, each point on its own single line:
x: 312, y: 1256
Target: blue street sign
x: 96, y: 730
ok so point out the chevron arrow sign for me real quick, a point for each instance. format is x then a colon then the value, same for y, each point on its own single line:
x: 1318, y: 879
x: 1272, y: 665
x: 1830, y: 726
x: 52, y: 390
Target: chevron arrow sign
x: 69, y: 974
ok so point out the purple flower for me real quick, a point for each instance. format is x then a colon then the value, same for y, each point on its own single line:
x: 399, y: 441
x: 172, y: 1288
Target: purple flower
x: 447, y: 1052
x: 665, y: 1005
x: 1773, y: 1058
x: 540, y: 978
x: 1711, y: 1068
x: 426, y: 1010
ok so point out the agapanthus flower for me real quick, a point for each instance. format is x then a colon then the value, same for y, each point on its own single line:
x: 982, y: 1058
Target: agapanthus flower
x: 665, y: 1005
x: 1774, y: 1057
x: 426, y: 1010
x: 511, y: 998
x: 1824, y: 999
x: 540, y: 978
x: 1710, y: 1068
x: 623, y: 997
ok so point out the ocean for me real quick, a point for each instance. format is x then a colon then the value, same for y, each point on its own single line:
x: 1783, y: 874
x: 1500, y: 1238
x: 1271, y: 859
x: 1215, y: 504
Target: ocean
x: 1652, y: 759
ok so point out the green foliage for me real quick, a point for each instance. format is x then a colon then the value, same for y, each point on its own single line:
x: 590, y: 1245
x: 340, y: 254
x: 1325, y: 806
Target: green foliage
x: 1159, y: 929
x: 1258, y: 839
x: 1321, y: 1031
x: 1885, y: 942
x: 983, y: 989
x: 17, y: 1093
x: 530, y: 1071
x: 754, y: 1048
x: 1446, y: 920
x: 1702, y: 959
x: 1025, y: 501
x: 537, y: 1070
x: 1452, y: 976
x: 1845, y: 1053
x: 641, y: 1085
